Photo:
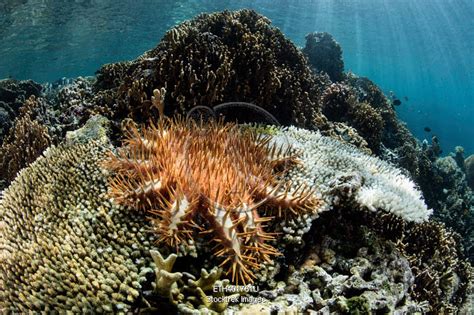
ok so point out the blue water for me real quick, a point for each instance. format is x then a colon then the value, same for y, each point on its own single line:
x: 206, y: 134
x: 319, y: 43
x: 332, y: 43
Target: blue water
x: 422, y: 49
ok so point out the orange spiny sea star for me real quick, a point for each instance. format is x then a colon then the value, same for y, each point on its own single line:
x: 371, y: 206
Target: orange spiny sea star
x: 179, y: 170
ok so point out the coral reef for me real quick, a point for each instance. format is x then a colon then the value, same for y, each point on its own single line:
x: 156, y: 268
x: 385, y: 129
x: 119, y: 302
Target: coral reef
x: 64, y: 246
x: 443, y: 277
x: 216, y: 58
x: 25, y: 141
x: 13, y: 94
x: 325, y: 54
x: 181, y: 173
x: 331, y: 221
x: 70, y: 105
x: 348, y: 265
x: 454, y: 203
x: 441, y: 180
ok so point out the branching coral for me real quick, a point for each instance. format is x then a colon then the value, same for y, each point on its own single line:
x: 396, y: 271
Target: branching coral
x: 339, y: 103
x: 216, y: 58
x: 442, y: 276
x: 183, y: 173
x: 469, y: 165
x: 186, y: 292
x: 325, y: 54
x: 25, y: 141
x: 13, y: 94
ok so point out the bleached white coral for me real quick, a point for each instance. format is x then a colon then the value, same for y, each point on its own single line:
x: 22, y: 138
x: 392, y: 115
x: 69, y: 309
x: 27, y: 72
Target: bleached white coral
x: 331, y: 166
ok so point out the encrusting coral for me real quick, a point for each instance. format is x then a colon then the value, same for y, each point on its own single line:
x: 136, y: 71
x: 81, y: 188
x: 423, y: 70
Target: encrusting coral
x: 183, y: 173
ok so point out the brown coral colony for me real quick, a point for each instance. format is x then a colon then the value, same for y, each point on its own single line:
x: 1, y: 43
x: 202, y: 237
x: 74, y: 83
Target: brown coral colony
x: 209, y: 179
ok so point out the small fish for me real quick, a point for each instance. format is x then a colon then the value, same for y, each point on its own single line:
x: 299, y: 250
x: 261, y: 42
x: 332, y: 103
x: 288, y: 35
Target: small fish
x: 397, y: 102
x: 427, y: 129
x: 405, y: 98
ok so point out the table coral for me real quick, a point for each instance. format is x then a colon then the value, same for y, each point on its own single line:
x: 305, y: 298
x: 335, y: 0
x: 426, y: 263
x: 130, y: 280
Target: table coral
x: 342, y: 171
x: 181, y: 173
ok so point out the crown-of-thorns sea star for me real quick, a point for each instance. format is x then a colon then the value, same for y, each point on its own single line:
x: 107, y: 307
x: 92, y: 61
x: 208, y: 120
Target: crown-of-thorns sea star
x: 182, y: 172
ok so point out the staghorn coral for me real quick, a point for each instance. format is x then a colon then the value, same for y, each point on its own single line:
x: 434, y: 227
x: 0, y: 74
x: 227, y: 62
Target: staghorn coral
x: 26, y: 140
x: 216, y: 58
x: 341, y: 171
x: 181, y: 173
x: 325, y: 54
x: 64, y: 247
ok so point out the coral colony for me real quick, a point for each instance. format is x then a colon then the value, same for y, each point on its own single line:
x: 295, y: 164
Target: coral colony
x: 210, y: 178
x: 111, y: 203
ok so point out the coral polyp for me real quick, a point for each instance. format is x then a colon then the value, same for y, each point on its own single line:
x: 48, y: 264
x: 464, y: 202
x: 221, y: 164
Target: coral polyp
x: 215, y: 179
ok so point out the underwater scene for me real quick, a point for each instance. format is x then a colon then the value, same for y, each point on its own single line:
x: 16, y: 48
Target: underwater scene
x: 236, y: 157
